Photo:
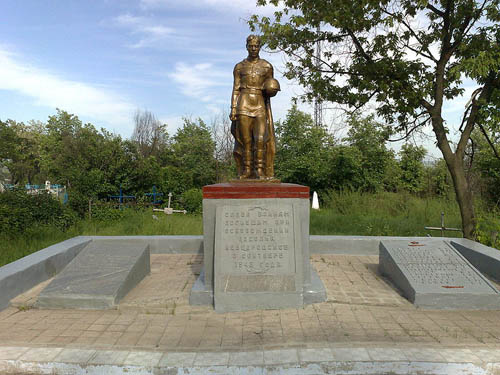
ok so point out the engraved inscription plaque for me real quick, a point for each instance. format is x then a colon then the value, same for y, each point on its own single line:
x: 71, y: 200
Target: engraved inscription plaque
x: 255, y: 254
x: 433, y: 274
x: 257, y: 240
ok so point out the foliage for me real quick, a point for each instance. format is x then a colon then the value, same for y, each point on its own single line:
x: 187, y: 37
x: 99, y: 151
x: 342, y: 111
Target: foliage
x: 303, y: 151
x: 374, y: 52
x: 412, y: 167
x: 488, y: 166
x: 488, y: 229
x: 192, y: 200
x: 20, y: 211
x: 369, y: 138
x: 190, y: 163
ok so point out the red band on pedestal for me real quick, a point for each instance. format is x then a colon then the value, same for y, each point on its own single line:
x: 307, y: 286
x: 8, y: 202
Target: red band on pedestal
x: 255, y: 191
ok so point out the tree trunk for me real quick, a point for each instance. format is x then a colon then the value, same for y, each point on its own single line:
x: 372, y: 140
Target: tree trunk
x: 463, y: 195
x: 455, y: 164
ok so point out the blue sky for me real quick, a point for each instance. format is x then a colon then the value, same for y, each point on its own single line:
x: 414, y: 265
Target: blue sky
x: 104, y: 59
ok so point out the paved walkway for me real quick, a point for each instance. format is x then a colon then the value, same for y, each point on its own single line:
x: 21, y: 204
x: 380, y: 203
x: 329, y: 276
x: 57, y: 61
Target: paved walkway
x: 364, y: 325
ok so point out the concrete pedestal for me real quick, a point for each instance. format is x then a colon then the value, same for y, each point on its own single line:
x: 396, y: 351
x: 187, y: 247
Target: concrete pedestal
x: 256, y: 248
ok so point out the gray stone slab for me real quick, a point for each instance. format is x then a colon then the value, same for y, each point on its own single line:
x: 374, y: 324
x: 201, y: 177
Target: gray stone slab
x: 164, y: 244
x: 433, y: 274
x: 23, y: 274
x: 484, y: 258
x: 258, y: 257
x: 99, y: 277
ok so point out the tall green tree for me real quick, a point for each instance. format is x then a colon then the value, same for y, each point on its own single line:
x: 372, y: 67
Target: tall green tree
x: 20, y: 150
x: 190, y: 161
x: 411, y: 159
x: 303, y: 151
x: 406, y: 56
x: 376, y: 161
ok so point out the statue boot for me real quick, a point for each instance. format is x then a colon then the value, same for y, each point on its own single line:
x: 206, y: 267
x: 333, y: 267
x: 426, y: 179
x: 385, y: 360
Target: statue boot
x: 260, y: 164
x: 247, y: 165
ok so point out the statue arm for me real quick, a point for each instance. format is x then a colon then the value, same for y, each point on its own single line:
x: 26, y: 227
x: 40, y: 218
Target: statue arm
x: 236, y: 92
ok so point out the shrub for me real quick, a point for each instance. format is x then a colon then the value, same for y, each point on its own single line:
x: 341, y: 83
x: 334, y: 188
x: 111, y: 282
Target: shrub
x: 20, y: 211
x: 192, y: 200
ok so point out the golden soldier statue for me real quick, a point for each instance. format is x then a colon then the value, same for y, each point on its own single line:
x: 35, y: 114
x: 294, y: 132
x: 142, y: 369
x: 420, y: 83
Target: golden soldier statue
x: 252, y: 121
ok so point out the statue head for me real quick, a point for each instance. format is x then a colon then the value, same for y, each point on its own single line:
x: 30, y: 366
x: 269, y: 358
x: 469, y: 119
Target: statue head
x: 253, y: 45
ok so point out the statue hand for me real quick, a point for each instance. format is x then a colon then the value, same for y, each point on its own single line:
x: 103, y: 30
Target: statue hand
x: 232, y: 116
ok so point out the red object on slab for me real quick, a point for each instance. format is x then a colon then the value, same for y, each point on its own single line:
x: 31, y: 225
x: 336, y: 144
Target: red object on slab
x: 256, y: 190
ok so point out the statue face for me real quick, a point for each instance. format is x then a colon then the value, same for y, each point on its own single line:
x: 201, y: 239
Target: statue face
x: 253, y: 48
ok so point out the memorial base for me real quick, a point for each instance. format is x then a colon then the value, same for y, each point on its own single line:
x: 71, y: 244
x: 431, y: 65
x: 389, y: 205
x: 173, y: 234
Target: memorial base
x: 256, y: 248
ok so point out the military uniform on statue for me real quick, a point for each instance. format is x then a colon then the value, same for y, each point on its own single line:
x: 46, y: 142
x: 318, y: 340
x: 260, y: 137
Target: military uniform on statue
x: 251, y: 116
x: 255, y: 229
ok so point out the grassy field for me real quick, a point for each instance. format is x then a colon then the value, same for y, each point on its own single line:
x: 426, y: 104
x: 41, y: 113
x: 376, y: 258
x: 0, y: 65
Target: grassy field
x: 383, y: 214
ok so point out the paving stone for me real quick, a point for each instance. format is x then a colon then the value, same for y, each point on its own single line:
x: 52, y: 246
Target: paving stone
x: 424, y: 355
x: 350, y: 354
x: 315, y: 355
x: 488, y: 355
x: 459, y: 355
x: 40, y: 354
x: 108, y: 357
x: 75, y: 355
x: 137, y: 358
x: 12, y: 352
x: 387, y: 354
x: 211, y: 359
x: 254, y: 358
x: 281, y: 356
x: 178, y: 359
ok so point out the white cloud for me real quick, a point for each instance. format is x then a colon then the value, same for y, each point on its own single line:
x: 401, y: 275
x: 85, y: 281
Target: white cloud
x: 201, y: 80
x: 49, y: 90
x: 150, y: 33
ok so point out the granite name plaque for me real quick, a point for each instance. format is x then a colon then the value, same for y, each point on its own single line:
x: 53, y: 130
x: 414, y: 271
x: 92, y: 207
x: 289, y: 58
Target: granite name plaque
x: 433, y: 274
x: 257, y: 264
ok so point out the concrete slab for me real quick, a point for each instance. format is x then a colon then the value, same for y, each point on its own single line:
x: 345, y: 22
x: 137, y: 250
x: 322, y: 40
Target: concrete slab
x: 484, y: 258
x: 99, y: 277
x: 25, y: 273
x: 433, y: 274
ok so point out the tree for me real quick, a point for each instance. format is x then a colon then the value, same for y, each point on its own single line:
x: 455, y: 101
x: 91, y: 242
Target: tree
x: 369, y: 138
x: 303, y: 151
x: 20, y: 150
x: 190, y: 162
x: 225, y: 166
x: 405, y: 56
x: 149, y: 134
x: 412, y: 167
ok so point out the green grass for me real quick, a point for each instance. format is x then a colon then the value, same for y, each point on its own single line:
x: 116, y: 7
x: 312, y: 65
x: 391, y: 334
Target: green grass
x: 132, y: 223
x: 382, y: 214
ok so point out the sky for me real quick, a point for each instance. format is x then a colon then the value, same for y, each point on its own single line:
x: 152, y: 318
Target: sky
x: 103, y: 60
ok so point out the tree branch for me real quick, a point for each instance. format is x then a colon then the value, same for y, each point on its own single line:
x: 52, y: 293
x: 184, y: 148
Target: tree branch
x: 492, y: 145
x: 429, y: 54
x: 472, y: 119
x: 435, y: 10
x: 358, y: 45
